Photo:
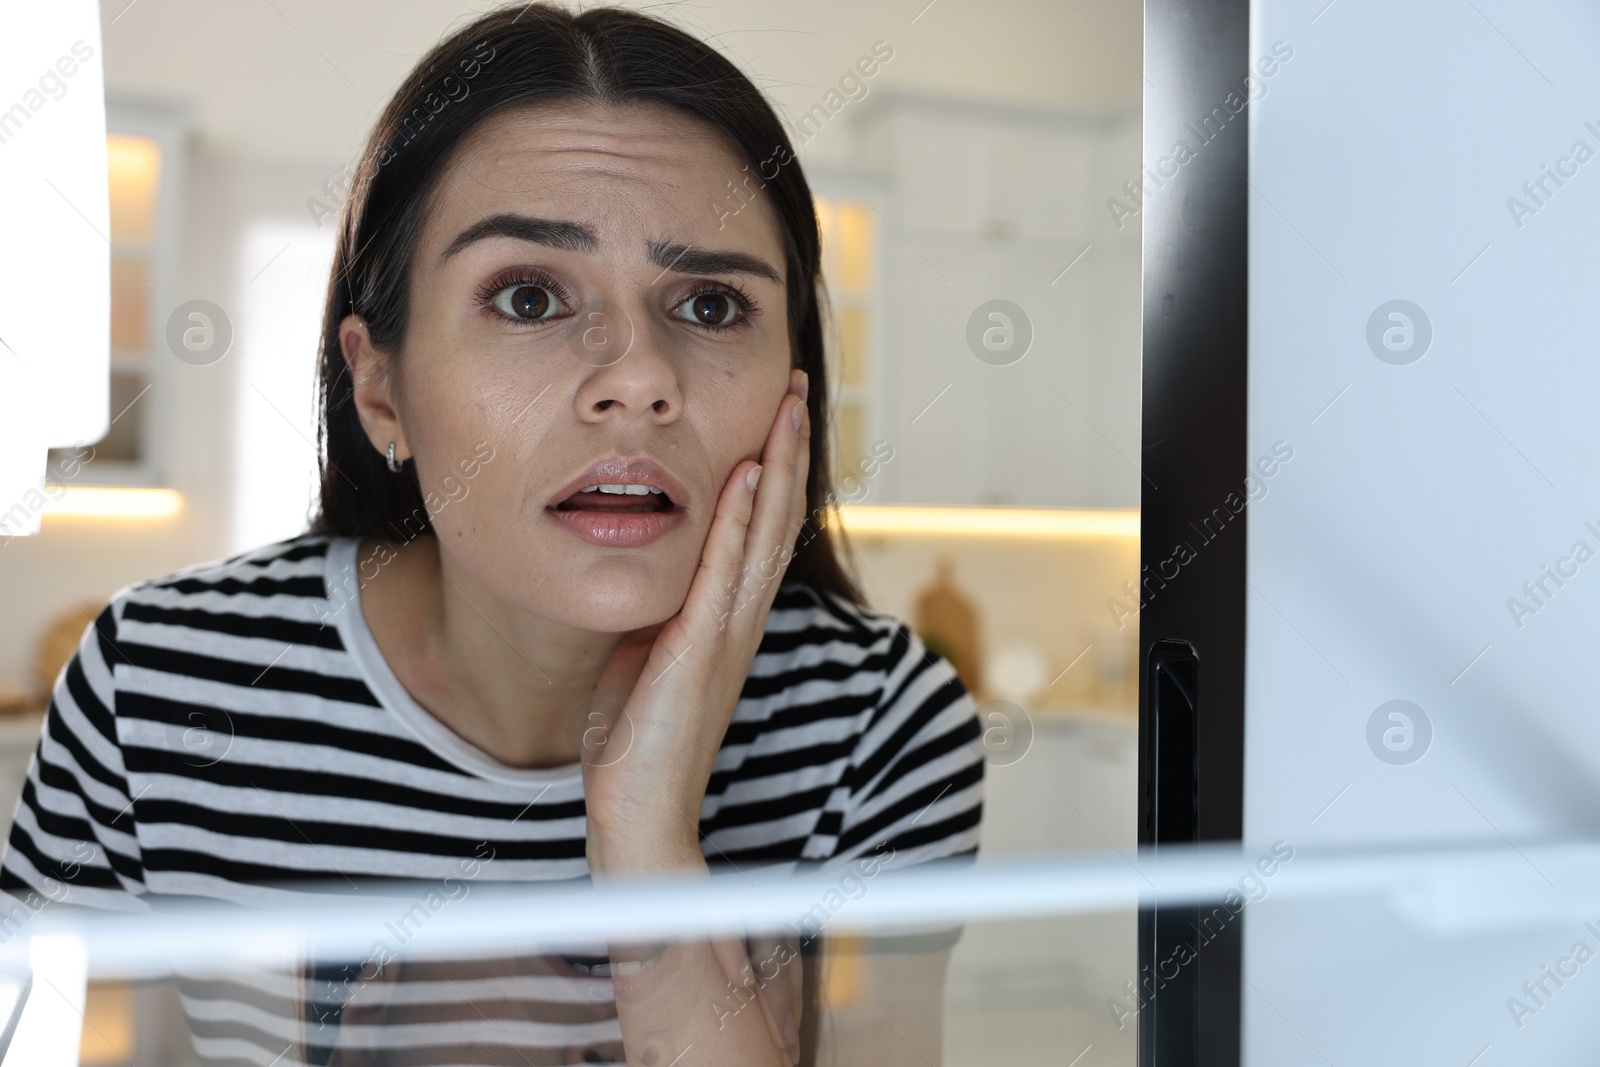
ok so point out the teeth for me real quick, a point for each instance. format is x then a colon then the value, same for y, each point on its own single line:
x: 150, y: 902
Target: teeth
x: 622, y: 490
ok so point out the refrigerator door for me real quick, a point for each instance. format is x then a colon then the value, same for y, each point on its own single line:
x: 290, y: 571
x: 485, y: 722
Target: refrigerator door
x: 1423, y: 574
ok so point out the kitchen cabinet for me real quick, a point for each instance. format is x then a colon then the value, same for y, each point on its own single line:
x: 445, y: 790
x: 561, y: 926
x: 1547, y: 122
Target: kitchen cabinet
x: 974, y: 203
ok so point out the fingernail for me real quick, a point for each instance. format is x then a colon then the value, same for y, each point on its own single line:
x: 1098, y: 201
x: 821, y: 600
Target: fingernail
x: 805, y: 385
x: 791, y: 1037
x: 752, y: 476
x: 798, y: 408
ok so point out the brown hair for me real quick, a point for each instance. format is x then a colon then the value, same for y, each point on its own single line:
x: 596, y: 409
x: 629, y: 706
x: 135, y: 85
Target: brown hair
x: 515, y: 56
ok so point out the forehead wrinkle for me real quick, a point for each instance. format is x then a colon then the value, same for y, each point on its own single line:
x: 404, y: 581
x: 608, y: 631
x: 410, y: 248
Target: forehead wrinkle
x: 666, y: 170
x: 547, y: 163
x: 604, y: 136
x: 637, y: 130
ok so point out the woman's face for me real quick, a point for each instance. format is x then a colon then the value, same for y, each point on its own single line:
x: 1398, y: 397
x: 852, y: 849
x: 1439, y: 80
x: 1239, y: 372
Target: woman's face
x: 585, y: 289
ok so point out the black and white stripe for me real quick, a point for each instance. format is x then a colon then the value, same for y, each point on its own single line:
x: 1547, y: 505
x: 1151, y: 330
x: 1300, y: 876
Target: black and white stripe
x: 231, y: 732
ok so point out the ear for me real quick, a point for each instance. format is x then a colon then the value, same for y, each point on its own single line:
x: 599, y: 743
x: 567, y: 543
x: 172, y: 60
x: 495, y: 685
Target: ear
x: 371, y: 388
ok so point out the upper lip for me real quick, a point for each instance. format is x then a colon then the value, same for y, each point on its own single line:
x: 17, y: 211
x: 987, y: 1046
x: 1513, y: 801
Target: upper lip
x: 614, y: 470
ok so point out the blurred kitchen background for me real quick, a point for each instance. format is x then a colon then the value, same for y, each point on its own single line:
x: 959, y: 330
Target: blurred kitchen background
x: 995, y: 155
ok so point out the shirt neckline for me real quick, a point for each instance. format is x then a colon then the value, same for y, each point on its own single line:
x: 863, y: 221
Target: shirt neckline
x: 351, y: 623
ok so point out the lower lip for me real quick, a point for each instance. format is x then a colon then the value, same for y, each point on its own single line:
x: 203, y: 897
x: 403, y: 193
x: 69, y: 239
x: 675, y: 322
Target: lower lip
x: 619, y: 529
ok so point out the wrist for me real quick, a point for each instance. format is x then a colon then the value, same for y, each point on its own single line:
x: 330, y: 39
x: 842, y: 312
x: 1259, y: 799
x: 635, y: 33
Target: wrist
x: 638, y: 855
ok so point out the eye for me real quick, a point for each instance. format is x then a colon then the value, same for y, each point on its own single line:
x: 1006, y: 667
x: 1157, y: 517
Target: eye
x: 524, y: 295
x: 713, y: 307
x: 526, y: 301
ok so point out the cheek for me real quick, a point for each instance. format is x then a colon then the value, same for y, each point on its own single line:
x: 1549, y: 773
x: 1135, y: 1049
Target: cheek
x: 487, y: 461
x: 476, y: 439
x: 743, y: 411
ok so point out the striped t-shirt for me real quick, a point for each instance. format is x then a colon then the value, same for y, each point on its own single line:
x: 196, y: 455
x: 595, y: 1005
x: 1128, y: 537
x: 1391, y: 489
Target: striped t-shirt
x: 233, y: 732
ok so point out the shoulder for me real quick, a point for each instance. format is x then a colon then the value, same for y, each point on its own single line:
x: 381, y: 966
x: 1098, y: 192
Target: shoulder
x: 821, y: 638
x: 262, y: 568
x: 279, y: 590
x: 911, y: 769
x: 289, y: 570
x: 801, y: 608
x: 827, y: 636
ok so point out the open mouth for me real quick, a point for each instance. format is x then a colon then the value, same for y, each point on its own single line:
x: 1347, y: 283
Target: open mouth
x: 621, y: 503
x: 625, y: 499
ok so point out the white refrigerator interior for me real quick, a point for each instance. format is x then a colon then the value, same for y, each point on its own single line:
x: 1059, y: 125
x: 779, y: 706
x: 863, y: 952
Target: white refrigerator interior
x: 1424, y: 574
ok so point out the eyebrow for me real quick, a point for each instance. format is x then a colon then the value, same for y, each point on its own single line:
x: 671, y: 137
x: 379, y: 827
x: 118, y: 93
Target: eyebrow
x: 573, y: 236
x: 690, y: 260
x: 576, y: 237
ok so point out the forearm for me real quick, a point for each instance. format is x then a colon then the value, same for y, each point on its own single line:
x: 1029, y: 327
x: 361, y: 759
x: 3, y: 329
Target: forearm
x: 684, y: 1002
x: 680, y: 1009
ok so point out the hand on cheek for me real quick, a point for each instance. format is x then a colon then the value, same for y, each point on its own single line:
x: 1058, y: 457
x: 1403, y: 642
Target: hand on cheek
x: 678, y: 694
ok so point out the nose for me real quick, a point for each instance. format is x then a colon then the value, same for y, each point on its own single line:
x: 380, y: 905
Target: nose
x: 640, y: 383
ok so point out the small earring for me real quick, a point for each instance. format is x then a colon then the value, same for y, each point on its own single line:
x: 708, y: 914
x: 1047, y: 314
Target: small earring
x: 393, y: 466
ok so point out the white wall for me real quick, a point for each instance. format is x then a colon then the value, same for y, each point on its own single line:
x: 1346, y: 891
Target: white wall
x: 304, y: 79
x: 285, y: 266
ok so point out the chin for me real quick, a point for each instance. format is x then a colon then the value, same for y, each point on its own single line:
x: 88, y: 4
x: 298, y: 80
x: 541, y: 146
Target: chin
x: 627, y: 603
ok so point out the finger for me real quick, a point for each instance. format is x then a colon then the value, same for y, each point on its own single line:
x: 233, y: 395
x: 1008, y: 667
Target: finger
x: 773, y: 991
x: 777, y: 511
x: 797, y: 991
x: 737, y: 969
x: 777, y: 966
x: 731, y: 958
x: 712, y: 591
x: 802, y: 469
x: 622, y: 672
x: 782, y: 453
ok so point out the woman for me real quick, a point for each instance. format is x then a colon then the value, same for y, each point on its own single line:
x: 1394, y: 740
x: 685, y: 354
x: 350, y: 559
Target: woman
x: 569, y: 608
